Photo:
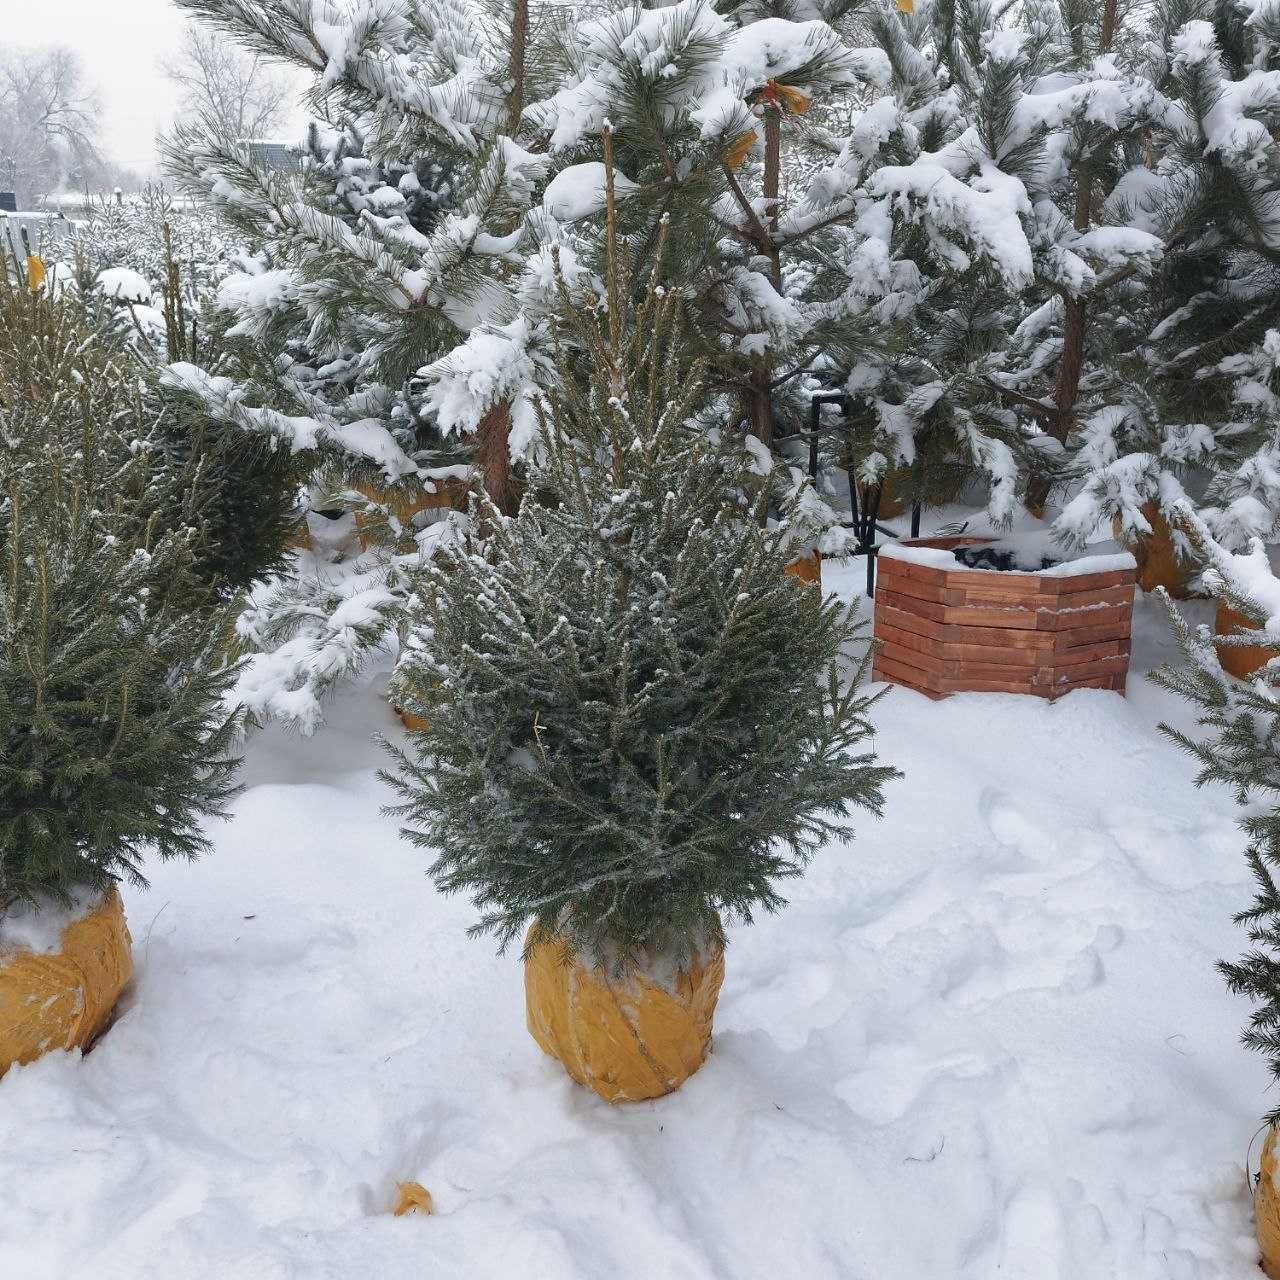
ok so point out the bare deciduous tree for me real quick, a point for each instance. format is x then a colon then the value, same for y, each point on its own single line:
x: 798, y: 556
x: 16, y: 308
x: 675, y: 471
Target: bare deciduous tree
x: 48, y: 121
x: 230, y: 89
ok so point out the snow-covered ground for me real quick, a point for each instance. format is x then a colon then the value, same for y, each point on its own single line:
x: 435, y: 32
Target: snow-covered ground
x: 985, y: 1040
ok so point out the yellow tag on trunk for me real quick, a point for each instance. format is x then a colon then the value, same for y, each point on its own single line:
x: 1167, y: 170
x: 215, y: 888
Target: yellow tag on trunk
x: 795, y: 100
x: 739, y: 148
x: 906, y: 6
x: 35, y: 272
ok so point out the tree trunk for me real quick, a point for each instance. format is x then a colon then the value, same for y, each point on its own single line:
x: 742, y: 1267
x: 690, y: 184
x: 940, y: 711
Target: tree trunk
x: 493, y: 447
x: 493, y: 457
x: 757, y: 404
x: 1075, y: 318
x: 515, y: 67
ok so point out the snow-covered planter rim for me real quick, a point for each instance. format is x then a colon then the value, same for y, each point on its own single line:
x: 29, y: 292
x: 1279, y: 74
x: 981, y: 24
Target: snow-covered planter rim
x: 38, y: 928
x: 936, y: 553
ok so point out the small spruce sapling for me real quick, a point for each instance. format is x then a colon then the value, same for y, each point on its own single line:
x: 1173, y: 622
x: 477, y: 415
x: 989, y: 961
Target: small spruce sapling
x: 636, y: 723
x: 114, y: 741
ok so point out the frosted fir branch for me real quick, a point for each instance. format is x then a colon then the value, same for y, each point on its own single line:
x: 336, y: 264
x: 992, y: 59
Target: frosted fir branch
x: 310, y: 633
x: 224, y: 400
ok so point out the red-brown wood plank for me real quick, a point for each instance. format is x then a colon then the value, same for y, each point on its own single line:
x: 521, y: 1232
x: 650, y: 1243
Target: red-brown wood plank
x: 1074, y: 637
x: 1098, y: 615
x: 996, y: 616
x: 911, y: 571
x: 1000, y: 591
x: 1067, y: 659
x: 953, y: 685
x: 890, y: 669
x: 919, y: 589
x: 910, y: 604
x: 1104, y: 595
x: 900, y: 679
x: 953, y: 633
x: 1006, y: 655
x: 1099, y: 667
x: 1073, y: 584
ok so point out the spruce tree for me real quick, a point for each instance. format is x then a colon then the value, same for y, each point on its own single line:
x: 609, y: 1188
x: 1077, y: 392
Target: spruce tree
x: 636, y: 722
x: 114, y: 741
x: 248, y: 486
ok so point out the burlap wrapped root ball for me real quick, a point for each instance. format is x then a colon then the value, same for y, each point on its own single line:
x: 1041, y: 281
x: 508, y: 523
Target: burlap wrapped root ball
x: 1266, y: 1208
x: 628, y: 1038
x: 807, y: 568
x: 63, y: 999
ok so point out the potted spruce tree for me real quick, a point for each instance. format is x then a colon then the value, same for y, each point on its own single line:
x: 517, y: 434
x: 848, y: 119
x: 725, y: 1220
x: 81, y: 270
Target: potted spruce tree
x: 113, y: 741
x: 636, y: 725
x: 1238, y: 743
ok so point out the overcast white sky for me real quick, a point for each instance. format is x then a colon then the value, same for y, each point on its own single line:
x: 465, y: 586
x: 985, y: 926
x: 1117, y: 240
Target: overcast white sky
x: 120, y: 43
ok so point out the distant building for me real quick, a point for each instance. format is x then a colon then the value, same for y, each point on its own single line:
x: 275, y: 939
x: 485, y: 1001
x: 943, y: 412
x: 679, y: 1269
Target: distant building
x: 271, y: 155
x: 8, y: 202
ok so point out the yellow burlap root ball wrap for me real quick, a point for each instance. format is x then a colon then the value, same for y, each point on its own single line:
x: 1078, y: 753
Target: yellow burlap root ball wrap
x: 1266, y: 1209
x: 62, y: 999
x: 807, y: 569
x: 626, y: 1039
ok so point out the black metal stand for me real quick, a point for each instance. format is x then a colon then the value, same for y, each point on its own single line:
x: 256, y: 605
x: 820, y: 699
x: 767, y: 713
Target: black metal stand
x: 865, y: 510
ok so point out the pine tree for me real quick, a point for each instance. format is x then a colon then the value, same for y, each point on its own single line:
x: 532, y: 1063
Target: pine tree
x: 710, y: 108
x: 1188, y: 411
x: 985, y: 174
x: 636, y: 721
x: 114, y: 742
x: 389, y: 242
x: 392, y: 238
x: 1238, y: 744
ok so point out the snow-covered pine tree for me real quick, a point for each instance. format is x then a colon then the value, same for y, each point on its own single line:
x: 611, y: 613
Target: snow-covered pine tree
x: 982, y: 175
x: 1188, y: 407
x: 395, y: 234
x: 718, y: 113
x: 393, y: 237
x: 114, y: 744
x: 635, y: 721
x: 1238, y: 744
x: 1215, y: 336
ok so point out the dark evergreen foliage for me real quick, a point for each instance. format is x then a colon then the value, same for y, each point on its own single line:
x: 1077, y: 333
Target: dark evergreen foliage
x: 113, y: 740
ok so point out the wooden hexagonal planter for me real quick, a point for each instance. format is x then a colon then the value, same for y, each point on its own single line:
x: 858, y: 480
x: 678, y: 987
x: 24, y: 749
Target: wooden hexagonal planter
x: 945, y: 628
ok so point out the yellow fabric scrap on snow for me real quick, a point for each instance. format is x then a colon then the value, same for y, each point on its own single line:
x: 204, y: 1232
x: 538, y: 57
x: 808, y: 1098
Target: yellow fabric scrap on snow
x: 412, y: 1197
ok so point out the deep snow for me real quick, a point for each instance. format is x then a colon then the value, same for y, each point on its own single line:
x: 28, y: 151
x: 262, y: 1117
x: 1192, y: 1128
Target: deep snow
x: 987, y: 1039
